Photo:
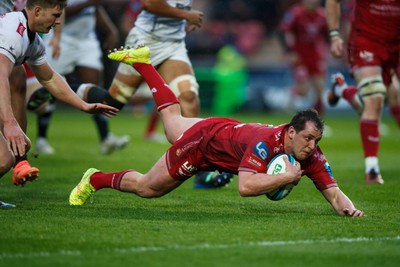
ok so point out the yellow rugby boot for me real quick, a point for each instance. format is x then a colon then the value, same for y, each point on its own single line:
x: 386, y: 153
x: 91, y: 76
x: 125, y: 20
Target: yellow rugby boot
x: 130, y: 56
x: 83, y: 190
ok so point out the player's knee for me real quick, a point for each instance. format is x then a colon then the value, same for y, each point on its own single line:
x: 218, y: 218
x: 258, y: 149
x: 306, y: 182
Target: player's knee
x: 39, y: 100
x: 186, y: 90
x: 190, y: 107
x: 372, y: 87
x: 94, y: 94
x: 83, y: 89
x: 147, y: 192
x: 121, y: 91
x: 188, y: 97
x: 145, y: 189
x: 184, y: 83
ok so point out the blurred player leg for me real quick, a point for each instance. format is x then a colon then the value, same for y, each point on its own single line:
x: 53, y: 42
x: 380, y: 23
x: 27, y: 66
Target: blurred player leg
x: 340, y: 89
x: 41, y: 102
x: 393, y: 99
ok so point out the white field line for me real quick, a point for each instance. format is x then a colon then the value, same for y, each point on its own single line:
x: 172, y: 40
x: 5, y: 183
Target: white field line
x: 6, y: 255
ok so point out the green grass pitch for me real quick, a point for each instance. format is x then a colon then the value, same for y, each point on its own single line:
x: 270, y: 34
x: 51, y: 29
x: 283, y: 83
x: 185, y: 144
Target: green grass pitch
x: 191, y: 227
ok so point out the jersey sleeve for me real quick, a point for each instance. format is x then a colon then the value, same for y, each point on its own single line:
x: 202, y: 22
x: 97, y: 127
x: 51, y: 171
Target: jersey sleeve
x: 319, y: 171
x: 254, y: 158
x: 9, y: 45
x: 38, y: 55
x: 15, y: 43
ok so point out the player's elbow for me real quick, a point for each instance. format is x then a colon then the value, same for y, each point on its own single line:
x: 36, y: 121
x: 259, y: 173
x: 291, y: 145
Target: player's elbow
x: 245, y: 190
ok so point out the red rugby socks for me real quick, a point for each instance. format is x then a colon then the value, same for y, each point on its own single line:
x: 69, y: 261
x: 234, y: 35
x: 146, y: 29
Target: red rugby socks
x: 162, y: 94
x: 369, y: 130
x: 101, y: 180
x: 349, y: 92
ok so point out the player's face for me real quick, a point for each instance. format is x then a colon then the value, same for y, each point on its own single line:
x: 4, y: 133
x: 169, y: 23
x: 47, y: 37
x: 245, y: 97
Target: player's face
x: 305, y: 142
x: 47, y: 18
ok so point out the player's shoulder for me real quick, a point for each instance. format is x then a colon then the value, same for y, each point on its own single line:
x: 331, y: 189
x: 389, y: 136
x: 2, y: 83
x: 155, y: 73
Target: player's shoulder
x: 316, y: 158
x: 13, y: 22
x: 12, y: 27
x: 16, y: 16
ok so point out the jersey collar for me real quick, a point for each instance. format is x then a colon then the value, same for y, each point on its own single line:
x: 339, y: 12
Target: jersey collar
x: 31, y: 35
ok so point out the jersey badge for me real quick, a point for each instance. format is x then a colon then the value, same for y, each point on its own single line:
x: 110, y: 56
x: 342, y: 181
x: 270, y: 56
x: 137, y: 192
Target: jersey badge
x: 21, y: 29
x: 366, y: 56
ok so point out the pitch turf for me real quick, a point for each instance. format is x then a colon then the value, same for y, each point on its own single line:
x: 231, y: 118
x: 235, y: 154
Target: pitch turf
x: 197, y: 227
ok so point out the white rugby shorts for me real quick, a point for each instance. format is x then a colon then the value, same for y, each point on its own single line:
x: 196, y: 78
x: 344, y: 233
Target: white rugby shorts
x: 75, y: 52
x: 159, y: 51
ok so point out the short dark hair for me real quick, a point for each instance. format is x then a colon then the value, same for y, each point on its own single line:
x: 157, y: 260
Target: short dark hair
x: 46, y: 3
x: 300, y: 119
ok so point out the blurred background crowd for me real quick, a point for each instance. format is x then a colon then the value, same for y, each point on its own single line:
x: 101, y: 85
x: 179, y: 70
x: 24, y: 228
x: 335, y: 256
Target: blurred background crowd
x: 244, y: 36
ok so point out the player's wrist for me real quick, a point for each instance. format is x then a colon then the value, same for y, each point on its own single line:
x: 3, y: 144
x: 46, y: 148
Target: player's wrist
x: 334, y: 34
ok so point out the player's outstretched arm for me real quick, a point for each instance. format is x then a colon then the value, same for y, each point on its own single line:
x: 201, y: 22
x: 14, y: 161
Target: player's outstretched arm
x: 332, y: 8
x: 59, y: 88
x: 341, y: 203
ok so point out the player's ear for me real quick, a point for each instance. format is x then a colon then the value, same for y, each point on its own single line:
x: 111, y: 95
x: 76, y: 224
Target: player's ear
x: 37, y: 10
x: 291, y: 132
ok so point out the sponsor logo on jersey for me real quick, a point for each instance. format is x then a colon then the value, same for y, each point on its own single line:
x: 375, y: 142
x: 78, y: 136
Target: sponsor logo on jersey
x: 186, y: 169
x: 254, y: 161
x: 261, y: 150
x: 21, y: 29
x: 187, y: 147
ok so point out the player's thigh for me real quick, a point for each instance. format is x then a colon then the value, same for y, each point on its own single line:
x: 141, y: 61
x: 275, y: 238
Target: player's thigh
x: 88, y: 74
x: 174, y: 123
x: 89, y: 55
x: 366, y: 71
x: 179, y: 76
x: 170, y: 69
x: 372, y: 90
x: 128, y: 78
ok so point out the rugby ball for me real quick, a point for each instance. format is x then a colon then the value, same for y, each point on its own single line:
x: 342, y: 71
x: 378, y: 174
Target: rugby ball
x: 275, y: 166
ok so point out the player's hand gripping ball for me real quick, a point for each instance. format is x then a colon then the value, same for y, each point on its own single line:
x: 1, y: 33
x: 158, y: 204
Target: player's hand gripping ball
x: 275, y: 166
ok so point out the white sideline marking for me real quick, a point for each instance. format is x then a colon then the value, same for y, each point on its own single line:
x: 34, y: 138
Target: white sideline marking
x: 4, y: 255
